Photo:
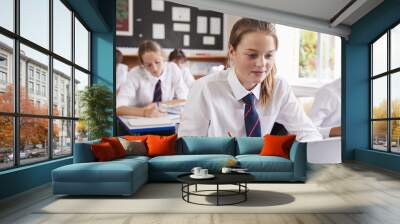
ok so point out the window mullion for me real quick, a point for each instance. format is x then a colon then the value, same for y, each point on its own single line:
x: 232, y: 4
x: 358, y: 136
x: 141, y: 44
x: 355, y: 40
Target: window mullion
x: 73, y: 82
x: 50, y: 81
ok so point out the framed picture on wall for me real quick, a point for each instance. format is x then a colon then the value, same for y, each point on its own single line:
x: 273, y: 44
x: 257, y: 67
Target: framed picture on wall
x: 124, y: 17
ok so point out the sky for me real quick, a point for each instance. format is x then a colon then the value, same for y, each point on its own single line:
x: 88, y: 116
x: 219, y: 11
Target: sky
x: 34, y: 26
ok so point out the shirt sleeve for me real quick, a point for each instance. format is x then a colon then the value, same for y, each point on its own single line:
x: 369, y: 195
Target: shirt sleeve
x: 122, y: 71
x: 293, y: 117
x: 321, y: 108
x: 188, y: 77
x: 181, y: 91
x: 127, y: 93
x: 194, y: 119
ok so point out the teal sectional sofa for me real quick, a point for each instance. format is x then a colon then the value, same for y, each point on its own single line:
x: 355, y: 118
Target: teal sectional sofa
x: 125, y: 176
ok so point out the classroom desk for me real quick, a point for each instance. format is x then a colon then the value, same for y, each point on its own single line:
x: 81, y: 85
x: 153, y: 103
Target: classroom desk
x: 326, y: 151
x: 140, y: 125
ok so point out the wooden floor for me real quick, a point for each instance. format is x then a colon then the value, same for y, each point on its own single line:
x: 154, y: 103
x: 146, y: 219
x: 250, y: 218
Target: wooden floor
x: 378, y: 188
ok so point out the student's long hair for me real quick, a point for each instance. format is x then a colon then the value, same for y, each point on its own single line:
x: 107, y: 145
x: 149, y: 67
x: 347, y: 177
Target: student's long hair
x: 149, y: 46
x: 244, y: 26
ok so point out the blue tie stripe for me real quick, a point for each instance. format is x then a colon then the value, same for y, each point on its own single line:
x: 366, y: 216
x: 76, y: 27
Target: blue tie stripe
x: 157, y: 92
x: 251, y: 119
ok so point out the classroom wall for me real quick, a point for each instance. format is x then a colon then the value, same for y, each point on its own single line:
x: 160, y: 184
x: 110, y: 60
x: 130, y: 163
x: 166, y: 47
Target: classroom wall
x: 355, y: 94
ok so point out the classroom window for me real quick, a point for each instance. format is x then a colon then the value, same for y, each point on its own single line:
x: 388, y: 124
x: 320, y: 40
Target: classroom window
x: 307, y: 58
x: 385, y: 96
x: 44, y: 112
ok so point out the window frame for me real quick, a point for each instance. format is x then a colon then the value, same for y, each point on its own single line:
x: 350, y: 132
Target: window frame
x: 388, y: 74
x: 16, y: 114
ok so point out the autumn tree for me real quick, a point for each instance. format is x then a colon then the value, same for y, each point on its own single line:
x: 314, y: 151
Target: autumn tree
x: 33, y: 130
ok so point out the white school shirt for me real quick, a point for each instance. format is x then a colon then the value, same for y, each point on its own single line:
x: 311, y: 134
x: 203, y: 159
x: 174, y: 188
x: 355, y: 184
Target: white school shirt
x: 138, y: 90
x: 121, y: 73
x: 187, y: 77
x: 326, y: 109
x: 215, y: 107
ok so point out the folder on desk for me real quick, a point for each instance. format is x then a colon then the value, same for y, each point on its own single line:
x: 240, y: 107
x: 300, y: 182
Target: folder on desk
x: 154, y: 121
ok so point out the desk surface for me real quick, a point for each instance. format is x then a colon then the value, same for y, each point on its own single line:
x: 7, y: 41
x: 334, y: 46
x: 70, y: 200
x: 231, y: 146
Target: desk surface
x: 145, y: 124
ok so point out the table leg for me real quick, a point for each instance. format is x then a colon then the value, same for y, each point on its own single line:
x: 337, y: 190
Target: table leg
x: 245, y: 191
x: 217, y: 194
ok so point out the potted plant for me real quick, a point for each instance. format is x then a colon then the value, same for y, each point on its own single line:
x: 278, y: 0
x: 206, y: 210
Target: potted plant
x: 96, y: 103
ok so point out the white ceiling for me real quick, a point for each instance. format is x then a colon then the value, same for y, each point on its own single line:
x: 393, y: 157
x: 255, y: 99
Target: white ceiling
x: 313, y: 15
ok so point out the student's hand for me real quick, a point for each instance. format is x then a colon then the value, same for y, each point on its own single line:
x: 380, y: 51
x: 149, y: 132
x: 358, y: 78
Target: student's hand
x: 152, y: 110
x: 336, y: 131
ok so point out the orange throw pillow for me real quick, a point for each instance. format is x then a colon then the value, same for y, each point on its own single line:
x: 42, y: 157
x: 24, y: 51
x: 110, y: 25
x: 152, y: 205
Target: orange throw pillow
x: 103, y: 151
x: 275, y: 145
x: 161, y: 145
x: 135, y: 137
x: 116, y: 145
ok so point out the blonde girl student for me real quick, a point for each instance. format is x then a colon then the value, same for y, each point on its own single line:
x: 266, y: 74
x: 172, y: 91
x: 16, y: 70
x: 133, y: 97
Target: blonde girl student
x: 247, y: 98
x: 155, y: 81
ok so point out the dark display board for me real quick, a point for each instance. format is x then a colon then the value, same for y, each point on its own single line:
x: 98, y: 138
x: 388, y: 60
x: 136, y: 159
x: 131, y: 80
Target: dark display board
x: 177, y: 26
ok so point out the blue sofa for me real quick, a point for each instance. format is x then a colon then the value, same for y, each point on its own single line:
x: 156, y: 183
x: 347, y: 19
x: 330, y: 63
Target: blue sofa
x: 125, y: 176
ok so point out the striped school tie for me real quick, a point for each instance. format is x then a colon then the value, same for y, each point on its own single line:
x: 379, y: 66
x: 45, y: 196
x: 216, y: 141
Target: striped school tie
x: 251, y: 119
x: 157, y: 92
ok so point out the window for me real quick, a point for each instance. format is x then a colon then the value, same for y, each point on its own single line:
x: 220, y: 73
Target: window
x: 54, y: 126
x: 81, y: 45
x: 3, y: 72
x: 7, y: 14
x: 30, y: 88
x: 38, y: 89
x: 43, y: 90
x: 3, y: 78
x: 307, y: 58
x: 385, y: 96
x: 37, y: 74
x: 30, y: 72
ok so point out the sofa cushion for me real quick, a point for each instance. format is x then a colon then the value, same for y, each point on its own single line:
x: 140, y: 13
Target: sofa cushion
x: 112, y: 171
x: 275, y: 145
x: 257, y: 163
x: 206, y: 145
x: 161, y: 145
x: 116, y: 145
x: 185, y: 163
x: 249, y: 145
x: 103, y: 152
x: 134, y: 147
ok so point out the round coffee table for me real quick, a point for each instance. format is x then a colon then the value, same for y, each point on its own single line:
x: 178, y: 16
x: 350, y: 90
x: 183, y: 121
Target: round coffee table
x: 238, y: 179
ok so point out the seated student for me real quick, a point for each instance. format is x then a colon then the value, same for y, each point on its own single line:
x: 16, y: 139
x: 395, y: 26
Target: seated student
x: 152, y: 82
x: 248, y: 98
x: 326, y: 109
x: 179, y: 58
x: 121, y: 71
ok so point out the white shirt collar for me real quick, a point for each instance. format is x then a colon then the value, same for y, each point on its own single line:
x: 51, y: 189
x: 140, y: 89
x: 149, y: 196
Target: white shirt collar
x: 238, y: 90
x: 155, y: 79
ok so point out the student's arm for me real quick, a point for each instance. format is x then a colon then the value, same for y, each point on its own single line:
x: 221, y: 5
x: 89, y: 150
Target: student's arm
x: 178, y: 84
x: 174, y: 102
x: 126, y: 100
x: 322, y: 108
x: 293, y: 117
x: 194, y: 119
x: 188, y: 77
x: 150, y: 110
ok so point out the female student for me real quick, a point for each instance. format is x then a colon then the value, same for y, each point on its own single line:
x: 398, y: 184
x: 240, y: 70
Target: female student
x: 248, y: 98
x: 326, y: 111
x: 179, y: 58
x: 152, y: 82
